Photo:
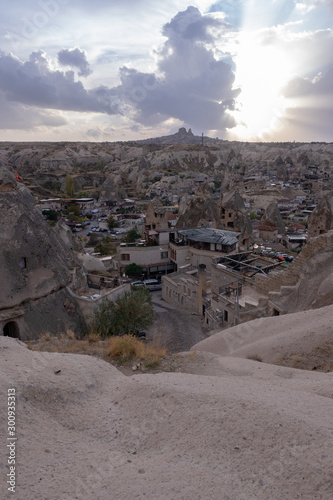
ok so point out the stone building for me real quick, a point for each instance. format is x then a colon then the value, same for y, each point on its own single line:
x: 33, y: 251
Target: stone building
x: 156, y: 217
x: 234, y: 216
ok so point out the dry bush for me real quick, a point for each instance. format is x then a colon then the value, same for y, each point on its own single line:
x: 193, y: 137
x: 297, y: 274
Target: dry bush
x: 153, y: 354
x: 70, y: 334
x: 128, y: 347
x: 47, y: 336
x: 93, y: 337
x: 125, y: 348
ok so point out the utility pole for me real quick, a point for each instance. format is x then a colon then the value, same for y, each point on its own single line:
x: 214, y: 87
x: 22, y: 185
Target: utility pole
x: 202, y: 139
x: 237, y: 303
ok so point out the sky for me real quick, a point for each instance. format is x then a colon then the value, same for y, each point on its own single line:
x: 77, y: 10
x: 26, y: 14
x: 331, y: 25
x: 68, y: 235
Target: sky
x: 107, y: 70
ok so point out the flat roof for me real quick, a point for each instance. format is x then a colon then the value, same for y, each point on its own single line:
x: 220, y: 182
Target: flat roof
x: 211, y: 235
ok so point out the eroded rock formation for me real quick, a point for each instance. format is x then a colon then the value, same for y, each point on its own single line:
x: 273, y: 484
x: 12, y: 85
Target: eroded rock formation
x: 36, y: 267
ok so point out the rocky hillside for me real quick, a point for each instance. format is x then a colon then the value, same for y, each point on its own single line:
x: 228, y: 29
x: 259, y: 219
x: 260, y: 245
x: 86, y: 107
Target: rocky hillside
x: 174, y: 163
x: 36, y: 266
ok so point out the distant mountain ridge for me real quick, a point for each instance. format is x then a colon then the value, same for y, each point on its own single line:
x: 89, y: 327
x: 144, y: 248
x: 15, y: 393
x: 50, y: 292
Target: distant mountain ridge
x: 181, y: 137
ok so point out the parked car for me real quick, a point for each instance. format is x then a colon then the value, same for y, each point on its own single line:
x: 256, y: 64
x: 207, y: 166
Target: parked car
x: 152, y: 285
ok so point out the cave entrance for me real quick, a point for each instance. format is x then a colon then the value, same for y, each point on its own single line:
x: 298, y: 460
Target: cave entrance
x: 11, y: 329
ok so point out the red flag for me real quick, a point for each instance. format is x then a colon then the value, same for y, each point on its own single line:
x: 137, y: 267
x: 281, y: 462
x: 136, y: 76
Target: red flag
x: 18, y: 177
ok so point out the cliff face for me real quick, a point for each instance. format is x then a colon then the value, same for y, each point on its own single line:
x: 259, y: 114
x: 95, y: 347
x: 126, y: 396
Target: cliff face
x: 34, y: 262
x: 321, y: 219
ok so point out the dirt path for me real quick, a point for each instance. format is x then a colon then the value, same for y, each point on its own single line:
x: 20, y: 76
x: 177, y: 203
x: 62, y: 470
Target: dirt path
x: 178, y: 329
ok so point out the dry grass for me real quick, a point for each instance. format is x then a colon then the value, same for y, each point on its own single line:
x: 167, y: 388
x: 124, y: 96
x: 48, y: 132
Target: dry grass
x: 320, y: 358
x: 93, y: 337
x: 255, y: 357
x: 127, y: 347
x: 70, y: 334
x: 47, y: 336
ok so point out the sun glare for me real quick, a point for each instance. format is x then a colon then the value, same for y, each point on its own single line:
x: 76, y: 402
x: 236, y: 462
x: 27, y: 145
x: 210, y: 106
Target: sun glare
x: 261, y: 72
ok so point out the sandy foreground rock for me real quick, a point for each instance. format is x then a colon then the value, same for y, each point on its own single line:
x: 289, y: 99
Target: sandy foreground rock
x: 245, y: 430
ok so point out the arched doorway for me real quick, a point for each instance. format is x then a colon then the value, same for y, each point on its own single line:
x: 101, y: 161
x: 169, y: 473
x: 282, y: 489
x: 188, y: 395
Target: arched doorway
x: 11, y: 329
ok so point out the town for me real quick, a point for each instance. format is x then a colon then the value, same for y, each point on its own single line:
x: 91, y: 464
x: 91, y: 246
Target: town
x: 220, y: 226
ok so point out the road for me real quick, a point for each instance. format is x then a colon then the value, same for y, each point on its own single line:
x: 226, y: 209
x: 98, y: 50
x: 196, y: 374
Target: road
x: 179, y: 330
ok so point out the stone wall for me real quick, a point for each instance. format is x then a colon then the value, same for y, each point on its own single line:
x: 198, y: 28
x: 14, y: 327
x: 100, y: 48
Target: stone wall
x: 293, y: 273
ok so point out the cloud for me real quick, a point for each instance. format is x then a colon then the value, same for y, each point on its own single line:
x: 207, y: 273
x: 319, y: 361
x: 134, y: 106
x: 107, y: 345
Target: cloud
x: 191, y: 84
x: 320, y: 87
x: 17, y: 117
x: 75, y: 58
x: 35, y: 83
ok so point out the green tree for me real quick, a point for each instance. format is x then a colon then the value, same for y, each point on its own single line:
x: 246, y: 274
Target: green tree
x: 129, y: 312
x: 104, y: 247
x: 69, y: 185
x: 83, y: 194
x: 50, y: 214
x: 112, y: 222
x: 93, y: 240
x: 131, y: 236
x: 74, y: 209
x: 133, y: 270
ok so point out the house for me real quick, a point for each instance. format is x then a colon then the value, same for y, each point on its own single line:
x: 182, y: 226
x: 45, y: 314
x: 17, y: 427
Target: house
x: 268, y: 233
x: 234, y: 296
x: 152, y: 254
x: 200, y: 245
x: 156, y: 217
x: 187, y: 288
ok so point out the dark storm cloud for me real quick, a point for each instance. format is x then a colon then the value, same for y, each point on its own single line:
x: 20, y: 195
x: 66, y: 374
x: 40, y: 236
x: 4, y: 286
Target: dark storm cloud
x: 17, y: 117
x: 194, y: 87
x: 75, y: 58
x: 191, y: 85
x: 34, y: 83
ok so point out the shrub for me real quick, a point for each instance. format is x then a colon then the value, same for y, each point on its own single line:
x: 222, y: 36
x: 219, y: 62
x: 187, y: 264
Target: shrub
x: 129, y: 347
x: 129, y: 312
x: 133, y: 270
x: 131, y: 236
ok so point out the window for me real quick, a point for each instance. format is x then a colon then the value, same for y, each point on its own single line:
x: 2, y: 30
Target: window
x: 125, y: 256
x: 164, y: 255
x: 226, y: 316
x: 23, y: 263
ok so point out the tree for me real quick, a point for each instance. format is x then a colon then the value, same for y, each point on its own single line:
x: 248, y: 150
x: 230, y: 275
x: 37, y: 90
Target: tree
x: 73, y: 209
x: 69, y: 185
x: 112, y: 222
x: 133, y: 270
x: 51, y: 214
x: 128, y: 313
x: 93, y: 240
x: 83, y: 194
x: 131, y: 236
